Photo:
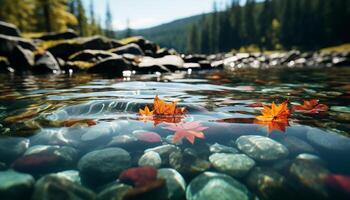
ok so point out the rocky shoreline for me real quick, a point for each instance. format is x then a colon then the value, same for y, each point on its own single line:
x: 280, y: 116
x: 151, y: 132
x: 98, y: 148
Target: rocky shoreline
x: 67, y: 52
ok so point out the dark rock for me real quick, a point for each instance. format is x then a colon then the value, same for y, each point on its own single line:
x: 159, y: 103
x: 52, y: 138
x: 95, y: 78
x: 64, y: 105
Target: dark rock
x: 164, y: 52
x: 133, y: 49
x: 9, y: 29
x: 9, y: 43
x: 218, y: 148
x: 261, y: 148
x: 21, y: 59
x: 114, y: 192
x: 113, y: 65
x: 188, y: 164
x: 96, y: 43
x: 145, y: 45
x: 71, y: 175
x: 52, y: 187
x: 15, y: 186
x: 11, y: 148
x: 175, y: 183
x: 4, y: 64
x: 269, y: 184
x: 210, y: 185
x: 65, y: 49
x: 3, y: 166
x: 46, y: 64
x: 70, y: 34
x: 309, y: 179
x: 195, y: 58
x: 44, y: 159
x: 102, y: 166
x: 91, y: 55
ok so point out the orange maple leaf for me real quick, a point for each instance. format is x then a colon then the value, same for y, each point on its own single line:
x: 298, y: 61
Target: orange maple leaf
x: 188, y: 130
x: 311, y: 106
x: 145, y: 112
x: 275, y: 113
x: 160, y: 107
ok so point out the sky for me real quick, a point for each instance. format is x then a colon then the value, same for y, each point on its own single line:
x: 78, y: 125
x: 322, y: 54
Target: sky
x: 148, y: 13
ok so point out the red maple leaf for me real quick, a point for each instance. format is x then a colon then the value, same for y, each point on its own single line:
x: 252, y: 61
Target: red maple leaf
x: 188, y: 130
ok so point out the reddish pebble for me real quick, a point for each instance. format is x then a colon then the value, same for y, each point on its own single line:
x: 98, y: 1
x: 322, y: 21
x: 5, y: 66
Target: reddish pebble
x: 139, y: 176
x: 148, y: 137
x: 339, y: 182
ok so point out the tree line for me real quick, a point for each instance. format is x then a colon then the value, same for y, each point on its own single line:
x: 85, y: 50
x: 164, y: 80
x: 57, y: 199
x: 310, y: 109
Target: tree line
x: 56, y: 16
x: 272, y: 25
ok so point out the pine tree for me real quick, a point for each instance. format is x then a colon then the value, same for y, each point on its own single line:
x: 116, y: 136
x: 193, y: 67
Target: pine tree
x: 18, y: 12
x: 82, y: 19
x: 109, y: 32
x: 192, y: 40
x: 128, y: 31
x: 53, y: 15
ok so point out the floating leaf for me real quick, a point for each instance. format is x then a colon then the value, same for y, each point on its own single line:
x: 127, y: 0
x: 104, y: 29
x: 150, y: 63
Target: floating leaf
x: 145, y: 112
x: 311, y: 106
x: 188, y: 130
x: 275, y: 113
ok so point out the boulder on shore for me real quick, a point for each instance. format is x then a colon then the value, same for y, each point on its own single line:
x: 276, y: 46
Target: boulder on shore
x: 9, y: 29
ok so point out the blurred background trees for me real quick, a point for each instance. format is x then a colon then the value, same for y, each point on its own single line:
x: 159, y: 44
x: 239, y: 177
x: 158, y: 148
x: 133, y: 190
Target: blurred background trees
x: 54, y: 16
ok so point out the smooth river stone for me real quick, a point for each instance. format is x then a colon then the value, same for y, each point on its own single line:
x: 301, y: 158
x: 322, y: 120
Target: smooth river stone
x: 219, y: 148
x: 210, y: 185
x: 237, y: 165
x: 175, y: 183
x: 261, y: 148
x: 56, y: 187
x: 329, y: 141
x: 15, y: 186
x: 151, y: 159
x: 12, y: 148
x: 103, y: 166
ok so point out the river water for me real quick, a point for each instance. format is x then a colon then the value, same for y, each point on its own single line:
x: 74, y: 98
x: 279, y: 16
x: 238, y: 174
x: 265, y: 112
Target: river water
x: 41, y: 115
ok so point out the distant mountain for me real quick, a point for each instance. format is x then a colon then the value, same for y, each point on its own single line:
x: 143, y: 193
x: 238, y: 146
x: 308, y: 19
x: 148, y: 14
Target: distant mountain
x: 170, y: 35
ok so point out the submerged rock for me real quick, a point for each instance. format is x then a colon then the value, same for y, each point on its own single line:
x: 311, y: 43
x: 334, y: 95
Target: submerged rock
x: 103, y: 166
x: 151, y: 159
x: 309, y: 178
x: 175, y: 183
x: 210, y: 185
x: 297, y: 146
x: 71, y: 175
x: 187, y: 163
x: 237, y: 165
x: 12, y: 148
x: 44, y: 159
x: 114, y: 192
x: 261, y: 148
x: 164, y: 151
x: 55, y: 187
x: 269, y: 184
x: 139, y: 176
x: 329, y: 141
x: 15, y: 186
x: 218, y: 148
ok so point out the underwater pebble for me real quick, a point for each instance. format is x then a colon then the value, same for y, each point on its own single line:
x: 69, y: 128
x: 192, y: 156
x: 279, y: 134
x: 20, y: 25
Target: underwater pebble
x: 151, y: 159
x: 219, y: 148
x: 261, y: 148
x: 71, y: 175
x: 175, y: 183
x: 329, y: 141
x: 103, y: 166
x: 164, y: 151
x: 297, y: 146
x: 15, y: 185
x: 55, y: 187
x: 269, y: 184
x: 210, y: 185
x: 187, y: 163
x: 236, y: 165
x: 12, y: 148
x: 46, y: 159
x: 114, y: 192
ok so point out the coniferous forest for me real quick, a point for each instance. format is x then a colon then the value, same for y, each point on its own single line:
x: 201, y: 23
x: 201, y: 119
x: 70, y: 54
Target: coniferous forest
x: 272, y: 25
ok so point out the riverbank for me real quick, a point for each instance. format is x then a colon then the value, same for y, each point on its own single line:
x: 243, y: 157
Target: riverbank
x: 68, y: 53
